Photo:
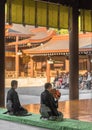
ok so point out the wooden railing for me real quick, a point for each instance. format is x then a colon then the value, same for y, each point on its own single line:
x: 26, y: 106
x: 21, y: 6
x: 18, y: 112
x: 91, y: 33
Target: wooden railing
x: 39, y: 74
x: 10, y: 74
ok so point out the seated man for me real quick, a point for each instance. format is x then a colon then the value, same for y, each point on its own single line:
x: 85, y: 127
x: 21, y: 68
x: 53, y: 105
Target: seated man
x: 12, y: 102
x: 49, y: 105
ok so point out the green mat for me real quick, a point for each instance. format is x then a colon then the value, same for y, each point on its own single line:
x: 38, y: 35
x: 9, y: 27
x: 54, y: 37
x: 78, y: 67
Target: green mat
x: 34, y: 120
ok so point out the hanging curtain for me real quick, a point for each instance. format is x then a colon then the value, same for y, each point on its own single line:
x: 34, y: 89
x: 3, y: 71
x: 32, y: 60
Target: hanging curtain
x: 36, y: 13
x: 53, y: 15
x: 85, y: 20
x: 41, y: 14
x: 24, y: 12
x: 63, y: 17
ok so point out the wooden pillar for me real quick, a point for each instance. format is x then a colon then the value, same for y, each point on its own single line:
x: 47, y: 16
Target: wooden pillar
x: 91, y: 64
x: 88, y: 63
x: 74, y: 57
x: 2, y: 53
x: 48, y: 72
x: 16, y: 59
x: 66, y: 65
x: 32, y: 67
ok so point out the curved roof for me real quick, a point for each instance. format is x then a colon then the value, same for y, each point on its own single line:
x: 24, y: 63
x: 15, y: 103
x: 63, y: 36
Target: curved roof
x: 18, y: 30
x: 50, y: 42
x: 60, y: 43
x: 40, y: 35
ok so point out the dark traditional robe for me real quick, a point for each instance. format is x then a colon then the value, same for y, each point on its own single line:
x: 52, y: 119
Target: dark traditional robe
x: 48, y: 102
x: 13, y: 103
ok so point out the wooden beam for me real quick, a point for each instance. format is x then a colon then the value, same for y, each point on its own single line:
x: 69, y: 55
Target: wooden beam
x: 2, y: 53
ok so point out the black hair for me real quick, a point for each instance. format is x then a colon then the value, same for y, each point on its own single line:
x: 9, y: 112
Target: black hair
x: 47, y: 85
x: 14, y: 82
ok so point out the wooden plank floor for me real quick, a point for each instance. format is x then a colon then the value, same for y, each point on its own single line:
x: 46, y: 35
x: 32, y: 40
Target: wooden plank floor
x: 76, y: 109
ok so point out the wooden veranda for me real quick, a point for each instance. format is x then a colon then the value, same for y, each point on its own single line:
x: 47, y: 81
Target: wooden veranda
x: 73, y: 34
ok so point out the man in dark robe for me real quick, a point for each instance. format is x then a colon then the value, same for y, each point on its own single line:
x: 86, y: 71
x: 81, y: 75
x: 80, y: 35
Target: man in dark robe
x: 13, y: 104
x: 49, y: 105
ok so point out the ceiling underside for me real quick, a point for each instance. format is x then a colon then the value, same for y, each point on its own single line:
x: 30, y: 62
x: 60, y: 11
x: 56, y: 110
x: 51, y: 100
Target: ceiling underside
x: 81, y: 4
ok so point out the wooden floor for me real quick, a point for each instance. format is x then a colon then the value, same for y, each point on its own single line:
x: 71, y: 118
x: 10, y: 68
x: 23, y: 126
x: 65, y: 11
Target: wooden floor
x: 76, y: 109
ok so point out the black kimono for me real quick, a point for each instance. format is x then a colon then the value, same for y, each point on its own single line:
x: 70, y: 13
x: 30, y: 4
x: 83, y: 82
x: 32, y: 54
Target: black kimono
x: 13, y: 103
x: 48, y: 104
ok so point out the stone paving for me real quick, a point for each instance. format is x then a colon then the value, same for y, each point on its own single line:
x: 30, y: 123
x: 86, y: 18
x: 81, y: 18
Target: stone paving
x: 7, y: 125
x: 31, y: 95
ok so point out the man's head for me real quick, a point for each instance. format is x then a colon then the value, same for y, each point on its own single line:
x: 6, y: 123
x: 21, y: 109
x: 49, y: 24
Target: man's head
x: 48, y: 86
x: 14, y: 84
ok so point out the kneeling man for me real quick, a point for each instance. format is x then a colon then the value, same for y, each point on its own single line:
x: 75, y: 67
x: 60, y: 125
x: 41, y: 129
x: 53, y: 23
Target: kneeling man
x: 49, y: 105
x: 12, y: 102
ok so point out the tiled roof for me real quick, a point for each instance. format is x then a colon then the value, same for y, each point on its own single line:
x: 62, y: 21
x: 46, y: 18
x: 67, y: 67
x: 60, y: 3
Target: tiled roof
x: 22, y: 29
x: 18, y: 29
x: 41, y: 32
x: 58, y: 43
x: 39, y: 37
x: 48, y: 40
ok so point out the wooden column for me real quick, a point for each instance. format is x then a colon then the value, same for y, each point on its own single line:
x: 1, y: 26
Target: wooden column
x: 66, y: 65
x: 32, y: 67
x: 48, y: 72
x: 2, y: 53
x: 16, y: 59
x: 88, y: 63
x: 74, y: 57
